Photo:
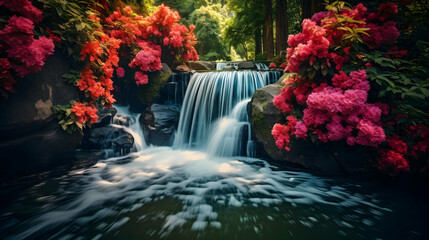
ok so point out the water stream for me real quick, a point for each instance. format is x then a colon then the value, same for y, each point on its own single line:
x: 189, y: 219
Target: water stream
x: 206, y: 187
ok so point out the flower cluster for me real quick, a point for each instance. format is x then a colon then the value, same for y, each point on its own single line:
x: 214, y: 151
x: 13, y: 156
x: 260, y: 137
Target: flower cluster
x: 84, y: 113
x: 324, y: 102
x: 151, y: 34
x: 282, y: 133
x: 145, y: 36
x: 26, y: 54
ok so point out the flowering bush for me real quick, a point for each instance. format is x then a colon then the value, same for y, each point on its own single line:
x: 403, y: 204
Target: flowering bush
x: 25, y: 52
x: 123, y: 33
x: 338, y: 87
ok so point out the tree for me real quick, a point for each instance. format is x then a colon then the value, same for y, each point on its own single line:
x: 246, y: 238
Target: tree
x: 268, y: 40
x: 210, y: 22
x: 281, y: 25
x: 244, y: 29
x: 310, y: 7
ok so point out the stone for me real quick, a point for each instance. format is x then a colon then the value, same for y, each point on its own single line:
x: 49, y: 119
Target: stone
x: 183, y: 68
x: 108, y: 137
x: 105, y: 116
x: 229, y: 67
x: 331, y: 158
x: 202, y: 65
x: 159, y: 123
x: 147, y: 94
x: 246, y: 65
x: 31, y: 140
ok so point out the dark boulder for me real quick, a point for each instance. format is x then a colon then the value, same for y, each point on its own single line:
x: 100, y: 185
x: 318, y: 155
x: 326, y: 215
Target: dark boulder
x: 30, y: 137
x: 159, y: 123
x: 105, y: 116
x: 108, y: 137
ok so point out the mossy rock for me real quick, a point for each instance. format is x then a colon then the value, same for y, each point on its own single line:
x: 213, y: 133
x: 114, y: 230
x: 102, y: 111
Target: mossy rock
x: 149, y: 93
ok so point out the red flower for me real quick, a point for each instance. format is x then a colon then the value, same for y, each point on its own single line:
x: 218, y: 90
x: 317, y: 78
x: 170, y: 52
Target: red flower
x: 92, y: 50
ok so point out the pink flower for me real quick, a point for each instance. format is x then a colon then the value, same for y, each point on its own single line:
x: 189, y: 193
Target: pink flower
x: 140, y: 78
x: 148, y: 59
x: 385, y: 10
x: 317, y: 17
x: 31, y: 56
x: 25, y: 8
x: 369, y: 134
x: 397, y: 144
x: 301, y: 130
x: 120, y: 72
x: 18, y: 31
x: 281, y: 100
x: 392, y: 161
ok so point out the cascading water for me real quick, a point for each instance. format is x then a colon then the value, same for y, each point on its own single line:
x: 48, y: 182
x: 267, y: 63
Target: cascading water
x: 174, y: 91
x: 133, y: 128
x: 262, y: 66
x: 228, y: 137
x: 212, y: 96
x: 166, y: 193
x: 222, y: 65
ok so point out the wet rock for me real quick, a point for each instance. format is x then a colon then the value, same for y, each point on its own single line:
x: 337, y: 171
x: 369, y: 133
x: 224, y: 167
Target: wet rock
x: 229, y: 67
x: 202, y: 65
x: 105, y: 116
x: 183, y: 68
x: 159, y: 123
x: 108, y: 137
x: 246, y: 65
x: 332, y: 158
x: 123, y: 120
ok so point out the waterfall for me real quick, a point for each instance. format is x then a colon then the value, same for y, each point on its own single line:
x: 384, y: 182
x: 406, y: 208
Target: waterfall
x: 133, y: 127
x: 221, y: 65
x: 213, y: 116
x: 175, y: 89
x: 262, y: 66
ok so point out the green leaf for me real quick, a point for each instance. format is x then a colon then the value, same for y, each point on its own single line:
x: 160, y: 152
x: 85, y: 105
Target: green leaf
x: 425, y: 91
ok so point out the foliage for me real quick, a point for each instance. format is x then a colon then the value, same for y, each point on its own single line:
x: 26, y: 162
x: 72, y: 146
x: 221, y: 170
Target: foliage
x: 329, y: 96
x: 248, y: 18
x: 21, y: 52
x: 210, y: 21
x: 97, y: 41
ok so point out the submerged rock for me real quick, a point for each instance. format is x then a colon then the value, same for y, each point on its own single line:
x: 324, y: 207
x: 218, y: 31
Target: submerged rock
x: 333, y: 158
x: 159, y: 123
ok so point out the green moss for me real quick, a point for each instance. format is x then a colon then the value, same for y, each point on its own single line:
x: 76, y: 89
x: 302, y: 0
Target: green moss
x: 149, y: 92
x: 258, y: 119
x: 264, y: 105
x: 259, y: 97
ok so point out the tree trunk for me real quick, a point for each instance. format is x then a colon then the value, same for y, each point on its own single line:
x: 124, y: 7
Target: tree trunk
x: 268, y: 30
x: 281, y: 26
x: 310, y: 7
x: 258, y: 42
